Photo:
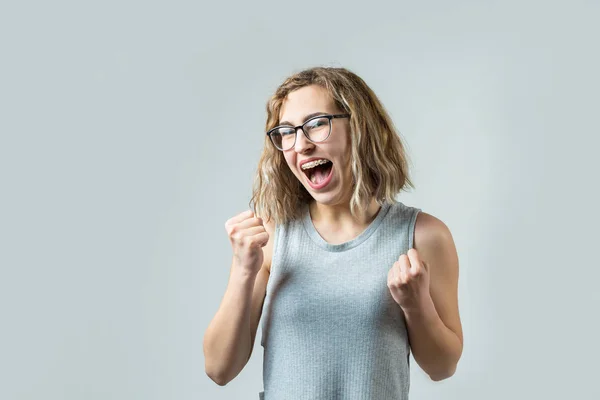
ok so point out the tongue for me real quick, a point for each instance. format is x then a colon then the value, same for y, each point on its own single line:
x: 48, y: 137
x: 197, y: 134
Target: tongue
x: 321, y: 172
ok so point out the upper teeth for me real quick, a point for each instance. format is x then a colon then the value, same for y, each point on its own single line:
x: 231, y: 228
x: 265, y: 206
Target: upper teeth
x: 314, y: 163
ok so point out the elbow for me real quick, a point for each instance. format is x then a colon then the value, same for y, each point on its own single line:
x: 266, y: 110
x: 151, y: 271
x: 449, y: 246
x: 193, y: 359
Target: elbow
x: 445, y: 367
x: 221, y: 374
x: 442, y: 374
x: 216, y: 378
x: 213, y: 369
x: 215, y: 373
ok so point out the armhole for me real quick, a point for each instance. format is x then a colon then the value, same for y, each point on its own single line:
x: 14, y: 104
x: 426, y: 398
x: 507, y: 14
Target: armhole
x: 267, y: 299
x: 411, y: 227
x: 274, y: 252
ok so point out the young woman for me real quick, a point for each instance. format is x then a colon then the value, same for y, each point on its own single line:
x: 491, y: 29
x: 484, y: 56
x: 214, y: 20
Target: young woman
x: 346, y: 280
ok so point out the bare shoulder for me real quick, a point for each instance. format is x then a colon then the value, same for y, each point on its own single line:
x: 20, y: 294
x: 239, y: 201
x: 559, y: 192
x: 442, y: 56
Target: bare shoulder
x: 436, y: 249
x: 429, y: 229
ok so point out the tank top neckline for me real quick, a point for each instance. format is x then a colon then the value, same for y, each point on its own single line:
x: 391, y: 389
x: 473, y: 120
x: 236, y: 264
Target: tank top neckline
x: 364, y: 235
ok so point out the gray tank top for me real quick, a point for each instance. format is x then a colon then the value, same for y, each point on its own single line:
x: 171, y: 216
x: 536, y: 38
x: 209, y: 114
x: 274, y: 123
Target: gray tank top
x: 330, y: 327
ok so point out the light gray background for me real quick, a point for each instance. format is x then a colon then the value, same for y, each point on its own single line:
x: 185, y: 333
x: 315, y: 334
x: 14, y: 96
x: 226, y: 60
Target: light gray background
x: 131, y: 132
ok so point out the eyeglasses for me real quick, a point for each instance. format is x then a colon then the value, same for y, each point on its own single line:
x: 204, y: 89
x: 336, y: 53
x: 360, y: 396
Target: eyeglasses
x: 316, y: 129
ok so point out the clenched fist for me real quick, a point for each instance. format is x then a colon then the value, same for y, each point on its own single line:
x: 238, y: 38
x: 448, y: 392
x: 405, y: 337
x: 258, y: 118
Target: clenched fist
x: 248, y: 236
x: 408, y: 281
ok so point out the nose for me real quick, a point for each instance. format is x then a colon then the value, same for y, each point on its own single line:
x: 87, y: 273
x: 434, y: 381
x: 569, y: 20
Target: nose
x: 302, y: 143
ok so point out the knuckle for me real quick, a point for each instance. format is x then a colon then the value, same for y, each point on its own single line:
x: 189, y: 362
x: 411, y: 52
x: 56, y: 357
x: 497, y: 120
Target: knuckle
x: 237, y: 236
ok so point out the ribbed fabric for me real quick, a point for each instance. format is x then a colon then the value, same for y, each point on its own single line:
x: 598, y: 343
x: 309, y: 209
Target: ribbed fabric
x: 330, y: 327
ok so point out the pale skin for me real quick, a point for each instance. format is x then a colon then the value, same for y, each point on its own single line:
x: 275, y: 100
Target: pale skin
x: 423, y: 282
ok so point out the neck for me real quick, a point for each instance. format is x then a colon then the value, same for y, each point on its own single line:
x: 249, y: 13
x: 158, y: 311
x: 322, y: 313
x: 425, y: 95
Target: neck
x: 340, y: 213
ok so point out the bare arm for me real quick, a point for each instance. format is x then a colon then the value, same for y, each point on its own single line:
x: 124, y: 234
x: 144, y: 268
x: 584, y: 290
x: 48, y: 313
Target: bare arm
x: 435, y: 329
x: 229, y: 338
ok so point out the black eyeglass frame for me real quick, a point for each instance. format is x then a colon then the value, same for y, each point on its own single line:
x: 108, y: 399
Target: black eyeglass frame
x: 301, y: 127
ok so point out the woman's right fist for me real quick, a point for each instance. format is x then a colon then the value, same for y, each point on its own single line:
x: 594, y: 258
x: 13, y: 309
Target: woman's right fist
x: 248, y: 236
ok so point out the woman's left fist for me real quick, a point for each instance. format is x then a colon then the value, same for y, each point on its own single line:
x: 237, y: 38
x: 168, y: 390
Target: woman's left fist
x: 408, y: 281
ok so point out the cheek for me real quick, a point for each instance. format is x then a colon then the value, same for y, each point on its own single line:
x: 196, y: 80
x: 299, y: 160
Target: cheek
x: 290, y: 161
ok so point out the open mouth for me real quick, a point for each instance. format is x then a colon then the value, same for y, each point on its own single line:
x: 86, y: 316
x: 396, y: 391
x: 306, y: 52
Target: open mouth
x: 319, y: 173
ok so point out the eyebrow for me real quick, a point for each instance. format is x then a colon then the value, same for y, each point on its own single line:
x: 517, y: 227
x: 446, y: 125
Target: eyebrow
x: 306, y: 117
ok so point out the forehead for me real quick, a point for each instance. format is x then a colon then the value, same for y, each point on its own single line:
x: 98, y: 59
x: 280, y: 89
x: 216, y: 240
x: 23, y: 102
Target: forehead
x: 304, y: 101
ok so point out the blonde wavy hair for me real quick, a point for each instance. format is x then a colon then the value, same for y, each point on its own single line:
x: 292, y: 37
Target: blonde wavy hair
x: 379, y: 161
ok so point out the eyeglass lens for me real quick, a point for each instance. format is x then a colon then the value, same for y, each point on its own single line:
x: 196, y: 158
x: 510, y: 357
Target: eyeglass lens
x: 317, y: 129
